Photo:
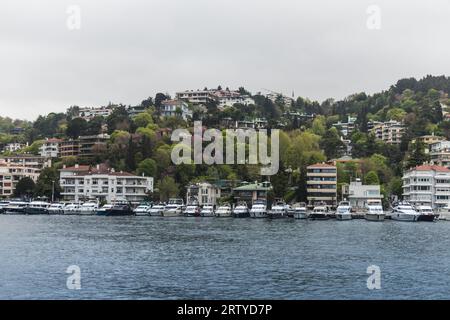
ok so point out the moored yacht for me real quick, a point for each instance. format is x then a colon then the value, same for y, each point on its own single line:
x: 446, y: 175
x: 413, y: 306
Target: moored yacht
x: 224, y: 211
x: 118, y: 208
x: 16, y: 207
x: 259, y: 209
x: 426, y: 213
x: 174, y: 208
x: 374, y: 211
x: 102, y: 210
x: 299, y: 210
x: 72, y: 208
x: 192, y: 210
x: 3, y: 205
x: 279, y: 210
x: 88, y: 208
x: 142, y: 209
x: 56, y: 208
x: 156, y: 210
x: 403, y: 211
x: 37, y: 207
x: 241, y: 210
x: 344, y: 211
x: 320, y: 212
x: 207, y: 211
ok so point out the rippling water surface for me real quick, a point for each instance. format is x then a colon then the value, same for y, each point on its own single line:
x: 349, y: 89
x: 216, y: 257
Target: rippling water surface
x: 211, y: 258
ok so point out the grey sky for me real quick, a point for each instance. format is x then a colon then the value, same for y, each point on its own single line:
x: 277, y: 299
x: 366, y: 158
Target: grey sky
x: 128, y: 50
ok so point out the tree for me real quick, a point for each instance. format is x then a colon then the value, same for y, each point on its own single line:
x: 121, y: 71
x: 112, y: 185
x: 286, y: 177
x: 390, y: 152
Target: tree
x: 371, y: 178
x: 24, y: 188
x: 143, y: 119
x: 147, y: 167
x: 331, y: 143
x: 47, y: 179
x: 168, y: 188
x: 76, y: 127
x: 417, y: 155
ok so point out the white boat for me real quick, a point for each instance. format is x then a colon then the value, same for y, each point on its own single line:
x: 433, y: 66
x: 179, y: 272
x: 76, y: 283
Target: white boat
x: 426, y: 213
x: 259, y: 209
x: 319, y: 212
x: 224, y: 211
x: 3, y: 205
x: 174, y: 208
x: 299, y: 210
x: 142, y: 210
x: 88, y: 208
x: 37, y: 207
x: 56, y: 208
x: 344, y: 211
x: 16, y: 207
x: 192, y: 210
x: 403, y: 211
x: 241, y: 210
x: 156, y: 210
x: 444, y: 213
x: 72, y: 208
x: 374, y: 211
x: 207, y: 211
x: 279, y: 210
x: 103, y: 210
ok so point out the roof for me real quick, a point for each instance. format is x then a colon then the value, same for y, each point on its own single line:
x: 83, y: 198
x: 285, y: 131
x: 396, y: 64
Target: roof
x: 431, y: 168
x: 321, y: 165
x: 253, y: 187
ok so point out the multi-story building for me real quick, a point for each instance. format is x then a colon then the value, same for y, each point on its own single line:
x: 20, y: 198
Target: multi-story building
x: 14, y: 147
x: 440, y: 153
x: 11, y: 174
x: 105, y: 184
x: 427, y: 185
x: 321, y: 184
x: 197, y: 97
x: 429, y: 140
x: 135, y: 110
x: 250, y: 192
x: 358, y: 194
x: 203, y: 193
x: 90, y: 113
x: 346, y: 128
x: 69, y: 148
x: 390, y: 132
x: 223, y: 98
x: 50, y: 148
x: 91, y: 146
x: 35, y: 162
x: 170, y: 108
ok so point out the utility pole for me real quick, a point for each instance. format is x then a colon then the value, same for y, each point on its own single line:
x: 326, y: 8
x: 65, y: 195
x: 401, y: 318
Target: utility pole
x: 53, y: 191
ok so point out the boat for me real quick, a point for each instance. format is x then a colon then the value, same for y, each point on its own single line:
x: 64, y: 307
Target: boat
x: 37, y: 207
x: 192, y: 210
x: 279, y: 210
x: 102, y: 211
x: 56, y: 208
x: 444, y: 213
x: 241, y: 210
x: 207, y: 211
x: 320, y: 212
x: 142, y: 210
x: 174, y: 208
x: 403, y: 211
x: 299, y: 210
x: 3, y: 205
x: 156, y: 210
x: 374, y: 211
x: 224, y: 211
x: 118, y: 208
x: 259, y: 209
x: 72, y: 208
x: 344, y: 211
x: 426, y: 214
x: 16, y: 207
x: 88, y: 208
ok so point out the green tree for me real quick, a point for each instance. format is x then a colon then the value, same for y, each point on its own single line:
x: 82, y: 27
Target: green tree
x: 168, y: 188
x: 147, y: 167
x: 48, y: 179
x: 371, y: 178
x: 24, y: 188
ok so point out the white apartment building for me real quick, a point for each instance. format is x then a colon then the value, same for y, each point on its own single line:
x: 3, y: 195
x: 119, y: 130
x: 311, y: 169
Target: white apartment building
x: 14, y: 147
x: 28, y: 161
x: 105, y: 184
x: 427, y: 185
x: 440, y: 153
x: 203, y: 193
x: 197, y: 97
x: 90, y: 113
x: 10, y: 175
x: 346, y: 128
x: 50, y: 148
x: 390, y: 132
x: 224, y: 98
x: 171, y: 108
x: 358, y: 194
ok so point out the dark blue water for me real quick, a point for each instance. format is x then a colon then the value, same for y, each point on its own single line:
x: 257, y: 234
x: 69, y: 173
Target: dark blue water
x: 210, y: 258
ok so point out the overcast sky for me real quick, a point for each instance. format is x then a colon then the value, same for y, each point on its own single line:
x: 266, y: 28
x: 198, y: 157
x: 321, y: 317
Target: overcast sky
x: 128, y: 50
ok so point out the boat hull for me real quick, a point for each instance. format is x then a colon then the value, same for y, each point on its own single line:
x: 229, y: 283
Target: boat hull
x: 374, y: 217
x: 171, y: 213
x: 427, y: 217
x: 34, y: 211
x: 258, y: 215
x: 116, y: 213
x: 300, y: 215
x: 223, y: 214
x: 316, y: 216
x: 340, y: 216
x: 241, y: 214
x: 404, y: 217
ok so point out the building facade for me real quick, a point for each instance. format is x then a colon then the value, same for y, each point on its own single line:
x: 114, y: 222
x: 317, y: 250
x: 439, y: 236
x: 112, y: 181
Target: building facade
x: 69, y: 148
x: 91, y: 146
x: 35, y: 162
x: 440, y: 153
x: 249, y: 192
x: 390, y: 132
x: 321, y: 184
x: 89, y: 113
x: 50, y: 148
x: 358, y: 194
x: 427, y: 185
x: 172, y: 108
x: 79, y: 183
x: 14, y: 147
x: 11, y: 174
x: 203, y: 193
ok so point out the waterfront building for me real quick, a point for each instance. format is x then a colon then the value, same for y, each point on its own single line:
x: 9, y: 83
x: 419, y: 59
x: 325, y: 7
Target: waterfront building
x: 172, y: 108
x: 358, y: 194
x: 440, y: 153
x: 390, y: 132
x: 50, y: 148
x: 203, y: 193
x: 29, y: 161
x: 321, y: 184
x: 83, y: 182
x: 69, y: 148
x: 427, y: 185
x: 250, y: 192
x: 11, y: 174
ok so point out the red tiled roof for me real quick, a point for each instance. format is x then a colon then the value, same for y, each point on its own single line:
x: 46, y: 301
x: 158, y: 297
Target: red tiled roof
x: 431, y: 168
x: 79, y: 168
x: 321, y: 165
